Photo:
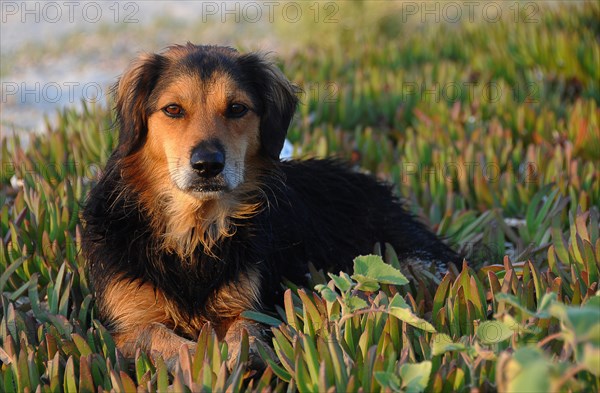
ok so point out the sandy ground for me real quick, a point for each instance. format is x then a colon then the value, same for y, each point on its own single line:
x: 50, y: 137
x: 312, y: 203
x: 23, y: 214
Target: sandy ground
x: 54, y: 54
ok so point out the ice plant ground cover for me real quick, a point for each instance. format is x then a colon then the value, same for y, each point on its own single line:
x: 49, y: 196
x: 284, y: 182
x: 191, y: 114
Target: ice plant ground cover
x: 491, y: 134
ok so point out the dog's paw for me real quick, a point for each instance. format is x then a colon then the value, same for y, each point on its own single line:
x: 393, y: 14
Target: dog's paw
x: 255, y: 361
x: 172, y: 360
x: 256, y: 337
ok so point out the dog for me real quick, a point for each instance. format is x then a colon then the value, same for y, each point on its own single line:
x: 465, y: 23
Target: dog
x: 195, y: 219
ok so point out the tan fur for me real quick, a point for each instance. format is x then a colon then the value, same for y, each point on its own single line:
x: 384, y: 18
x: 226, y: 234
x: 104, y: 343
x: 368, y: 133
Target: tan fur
x: 136, y: 309
x: 231, y: 300
x: 142, y: 319
x: 131, y: 304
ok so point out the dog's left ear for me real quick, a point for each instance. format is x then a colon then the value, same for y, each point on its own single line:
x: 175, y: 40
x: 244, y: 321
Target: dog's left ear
x: 278, y: 98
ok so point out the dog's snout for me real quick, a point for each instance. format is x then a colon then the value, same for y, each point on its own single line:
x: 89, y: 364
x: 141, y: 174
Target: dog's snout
x: 208, y: 159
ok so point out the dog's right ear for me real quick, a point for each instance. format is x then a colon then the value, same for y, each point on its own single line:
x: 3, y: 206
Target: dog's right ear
x: 132, y: 97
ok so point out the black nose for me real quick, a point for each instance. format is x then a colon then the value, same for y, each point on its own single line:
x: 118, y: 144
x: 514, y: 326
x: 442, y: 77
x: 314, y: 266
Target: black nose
x: 208, y: 159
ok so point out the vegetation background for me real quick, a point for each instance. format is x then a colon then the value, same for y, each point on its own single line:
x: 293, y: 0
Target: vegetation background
x: 485, y: 116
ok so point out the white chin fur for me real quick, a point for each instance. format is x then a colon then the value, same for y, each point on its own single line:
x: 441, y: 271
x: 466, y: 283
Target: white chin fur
x: 183, y: 179
x: 208, y: 195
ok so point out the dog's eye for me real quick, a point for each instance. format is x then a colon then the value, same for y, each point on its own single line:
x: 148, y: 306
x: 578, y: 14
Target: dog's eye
x: 173, y: 110
x: 236, y: 110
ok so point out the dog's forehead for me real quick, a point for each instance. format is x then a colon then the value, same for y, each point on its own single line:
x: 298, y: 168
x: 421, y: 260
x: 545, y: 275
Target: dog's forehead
x: 190, y: 87
x: 195, y: 70
x: 203, y: 61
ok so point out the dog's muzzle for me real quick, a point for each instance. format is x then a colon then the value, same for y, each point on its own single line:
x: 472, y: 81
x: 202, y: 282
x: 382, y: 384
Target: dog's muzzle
x: 208, y: 159
x: 207, y: 164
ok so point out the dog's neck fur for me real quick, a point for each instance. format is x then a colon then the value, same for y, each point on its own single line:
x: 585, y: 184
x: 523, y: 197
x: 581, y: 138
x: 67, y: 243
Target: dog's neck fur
x: 182, y: 223
x: 186, y: 223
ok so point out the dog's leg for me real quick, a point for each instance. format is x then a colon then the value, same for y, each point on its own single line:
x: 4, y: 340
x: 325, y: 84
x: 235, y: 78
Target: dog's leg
x: 229, y: 302
x: 257, y: 333
x: 139, y: 316
x: 155, y: 339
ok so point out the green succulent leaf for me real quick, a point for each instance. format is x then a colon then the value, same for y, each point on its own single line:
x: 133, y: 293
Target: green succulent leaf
x: 371, y: 270
x: 415, y: 377
x: 493, y: 332
x: 262, y: 318
x: 443, y: 343
x: 401, y: 310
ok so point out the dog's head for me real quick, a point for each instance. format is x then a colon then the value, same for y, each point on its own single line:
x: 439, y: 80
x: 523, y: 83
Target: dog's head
x: 204, y: 113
